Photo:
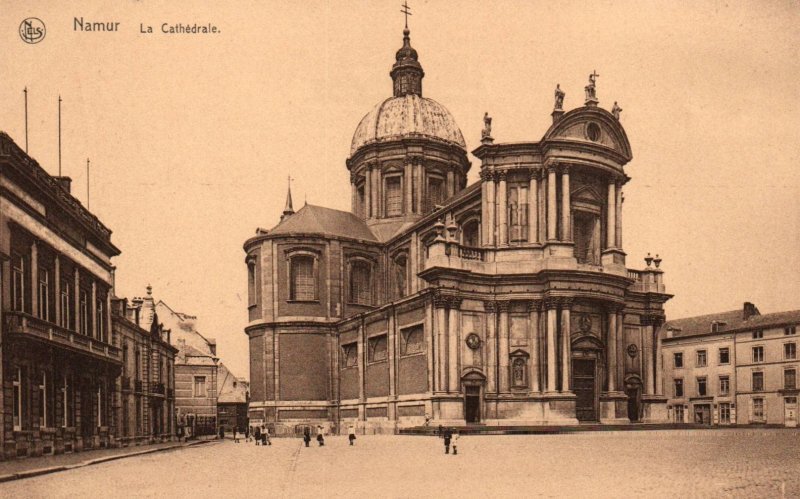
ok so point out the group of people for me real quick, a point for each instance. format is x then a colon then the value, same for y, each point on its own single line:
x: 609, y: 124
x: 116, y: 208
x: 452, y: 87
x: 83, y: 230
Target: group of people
x: 450, y: 436
x: 351, y: 435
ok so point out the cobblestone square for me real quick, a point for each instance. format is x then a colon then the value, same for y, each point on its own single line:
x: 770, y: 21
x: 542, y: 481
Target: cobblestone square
x: 691, y: 463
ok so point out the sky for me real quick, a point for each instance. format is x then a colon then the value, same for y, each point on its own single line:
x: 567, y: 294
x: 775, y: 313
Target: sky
x: 192, y: 137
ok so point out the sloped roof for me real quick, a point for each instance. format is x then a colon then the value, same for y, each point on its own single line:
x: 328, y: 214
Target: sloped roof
x: 311, y: 219
x: 730, y: 321
x: 229, y: 388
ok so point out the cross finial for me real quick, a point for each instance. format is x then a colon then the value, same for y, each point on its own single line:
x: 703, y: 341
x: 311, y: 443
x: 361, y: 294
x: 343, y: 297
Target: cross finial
x: 406, y: 10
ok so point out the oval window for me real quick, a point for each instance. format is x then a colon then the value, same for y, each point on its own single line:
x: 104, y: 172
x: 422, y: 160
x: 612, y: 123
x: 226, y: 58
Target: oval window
x: 593, y: 132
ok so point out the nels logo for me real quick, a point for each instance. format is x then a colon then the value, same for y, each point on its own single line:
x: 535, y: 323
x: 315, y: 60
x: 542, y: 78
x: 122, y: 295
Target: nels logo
x: 32, y: 30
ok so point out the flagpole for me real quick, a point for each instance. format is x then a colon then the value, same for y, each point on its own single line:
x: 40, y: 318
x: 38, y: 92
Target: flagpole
x: 87, y: 183
x: 59, y: 135
x: 25, y: 91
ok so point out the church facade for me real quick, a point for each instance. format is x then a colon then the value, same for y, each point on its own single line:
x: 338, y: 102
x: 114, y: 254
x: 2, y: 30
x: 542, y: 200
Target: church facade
x: 505, y: 302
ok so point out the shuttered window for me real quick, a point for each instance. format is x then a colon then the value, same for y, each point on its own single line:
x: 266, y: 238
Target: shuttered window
x: 303, y: 283
x: 394, y: 196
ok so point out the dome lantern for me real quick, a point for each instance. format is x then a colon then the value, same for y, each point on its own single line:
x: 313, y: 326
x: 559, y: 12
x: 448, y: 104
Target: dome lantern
x: 407, y: 72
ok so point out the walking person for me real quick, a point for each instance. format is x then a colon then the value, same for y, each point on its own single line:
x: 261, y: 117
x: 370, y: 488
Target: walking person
x: 456, y: 436
x: 447, y: 436
x: 267, y: 435
x: 351, y: 433
x: 235, y: 438
x: 221, y: 432
x: 247, y: 433
x: 264, y: 435
x: 306, y: 435
x: 320, y: 436
x: 258, y: 435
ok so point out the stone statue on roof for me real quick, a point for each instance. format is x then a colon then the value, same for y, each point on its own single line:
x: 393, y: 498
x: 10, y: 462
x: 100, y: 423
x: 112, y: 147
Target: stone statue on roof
x: 487, y: 126
x: 559, y: 105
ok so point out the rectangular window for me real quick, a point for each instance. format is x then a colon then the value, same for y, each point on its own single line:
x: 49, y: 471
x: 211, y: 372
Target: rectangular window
x: 678, y: 388
x: 66, y: 393
x: 377, y: 349
x: 18, y: 283
x: 758, y: 354
x: 394, y: 196
x: 790, y: 330
x: 702, y: 359
x: 435, y: 192
x: 725, y: 413
x: 17, y: 395
x: 43, y: 422
x: 790, y: 379
x: 360, y: 289
x: 724, y: 385
x: 83, y: 313
x: 701, y: 387
x: 758, y: 334
x: 66, y: 305
x: 758, y: 409
x: 679, y: 414
x: 677, y: 359
x: 413, y: 340
x: 44, y: 294
x: 251, y: 282
x: 101, y: 393
x: 350, y: 355
x: 303, y: 283
x: 100, y: 318
x: 200, y: 386
x: 137, y: 365
x: 790, y: 351
x: 758, y: 381
x: 724, y: 356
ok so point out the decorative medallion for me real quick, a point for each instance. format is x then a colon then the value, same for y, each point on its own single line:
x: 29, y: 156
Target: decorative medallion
x: 473, y: 341
x: 585, y: 323
x: 633, y: 350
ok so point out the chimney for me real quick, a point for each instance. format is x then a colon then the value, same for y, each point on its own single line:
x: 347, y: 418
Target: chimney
x: 65, y: 182
x: 212, y: 345
x: 749, y: 310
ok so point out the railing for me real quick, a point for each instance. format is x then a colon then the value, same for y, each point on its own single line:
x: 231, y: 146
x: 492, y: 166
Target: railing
x: 647, y: 281
x: 157, y: 388
x: 468, y: 253
x: 137, y: 387
x: 23, y: 323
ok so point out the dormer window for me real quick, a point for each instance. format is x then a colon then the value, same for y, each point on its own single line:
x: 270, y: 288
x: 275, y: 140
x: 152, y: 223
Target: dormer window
x: 717, y: 326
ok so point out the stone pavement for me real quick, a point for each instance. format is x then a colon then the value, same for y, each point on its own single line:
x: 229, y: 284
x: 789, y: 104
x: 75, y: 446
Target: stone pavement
x: 35, y: 466
x: 680, y: 463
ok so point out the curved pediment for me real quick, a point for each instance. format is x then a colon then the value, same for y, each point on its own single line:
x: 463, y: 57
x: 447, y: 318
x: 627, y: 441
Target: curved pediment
x: 592, y: 126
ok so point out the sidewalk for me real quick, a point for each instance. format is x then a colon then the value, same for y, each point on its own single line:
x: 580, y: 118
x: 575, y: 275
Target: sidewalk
x: 35, y: 466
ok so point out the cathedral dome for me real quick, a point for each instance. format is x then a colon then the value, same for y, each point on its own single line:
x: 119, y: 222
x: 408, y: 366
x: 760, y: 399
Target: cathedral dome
x: 407, y: 116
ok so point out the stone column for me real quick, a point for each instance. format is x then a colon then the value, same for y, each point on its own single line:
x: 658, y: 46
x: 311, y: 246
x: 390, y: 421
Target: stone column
x: 34, y: 289
x: 362, y: 361
x: 76, y: 299
x: 620, y: 364
x: 647, y: 353
x: 503, y: 352
x: 659, y: 375
x: 566, y: 346
x: 611, y: 351
x: 534, y: 337
x: 566, y: 207
x: 353, y: 193
x: 392, y: 352
x: 93, y: 311
x: 491, y: 346
x: 367, y: 190
x: 552, y: 207
x: 618, y: 220
x: 453, y: 343
x: 552, y: 324
x: 533, y: 205
x: 408, y: 206
x: 611, y: 210
x: 542, y: 208
x: 430, y: 340
x: 377, y: 186
x: 491, y: 223
x: 441, y: 345
x: 502, y: 210
x: 57, y: 288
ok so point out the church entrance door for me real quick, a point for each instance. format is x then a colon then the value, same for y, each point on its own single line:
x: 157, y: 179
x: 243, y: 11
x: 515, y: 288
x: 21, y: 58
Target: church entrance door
x: 634, y: 392
x: 583, y: 383
x: 472, y: 404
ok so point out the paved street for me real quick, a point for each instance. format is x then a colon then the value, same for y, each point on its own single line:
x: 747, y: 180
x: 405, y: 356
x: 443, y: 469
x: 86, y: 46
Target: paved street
x: 691, y: 463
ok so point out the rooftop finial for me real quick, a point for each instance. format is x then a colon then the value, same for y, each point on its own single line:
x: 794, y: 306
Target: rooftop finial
x: 288, y: 209
x: 406, y: 10
x: 149, y: 290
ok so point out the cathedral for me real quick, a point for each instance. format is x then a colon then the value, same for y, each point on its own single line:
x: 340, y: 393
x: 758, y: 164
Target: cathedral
x: 506, y: 302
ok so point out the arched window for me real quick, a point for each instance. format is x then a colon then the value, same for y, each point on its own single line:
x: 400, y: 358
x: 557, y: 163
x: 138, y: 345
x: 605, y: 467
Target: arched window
x: 303, y: 285
x: 378, y: 350
x: 435, y: 192
x: 360, y: 283
x: 519, y: 372
x: 401, y: 276
x: 470, y: 234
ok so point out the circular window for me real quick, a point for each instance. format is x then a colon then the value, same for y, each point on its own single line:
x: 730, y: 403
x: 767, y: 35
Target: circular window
x: 633, y: 350
x: 593, y: 132
x: 473, y: 341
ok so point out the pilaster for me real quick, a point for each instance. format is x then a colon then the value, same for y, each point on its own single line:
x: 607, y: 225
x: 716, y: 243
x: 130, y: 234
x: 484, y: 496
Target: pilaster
x: 552, y: 207
x: 566, y: 346
x: 566, y: 207
x: 502, y: 209
x: 491, y: 346
x: 503, y: 353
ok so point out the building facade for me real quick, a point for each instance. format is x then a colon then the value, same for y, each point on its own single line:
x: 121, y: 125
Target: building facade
x: 146, y: 409
x: 234, y: 394
x: 737, y: 367
x: 505, y: 302
x: 60, y: 359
